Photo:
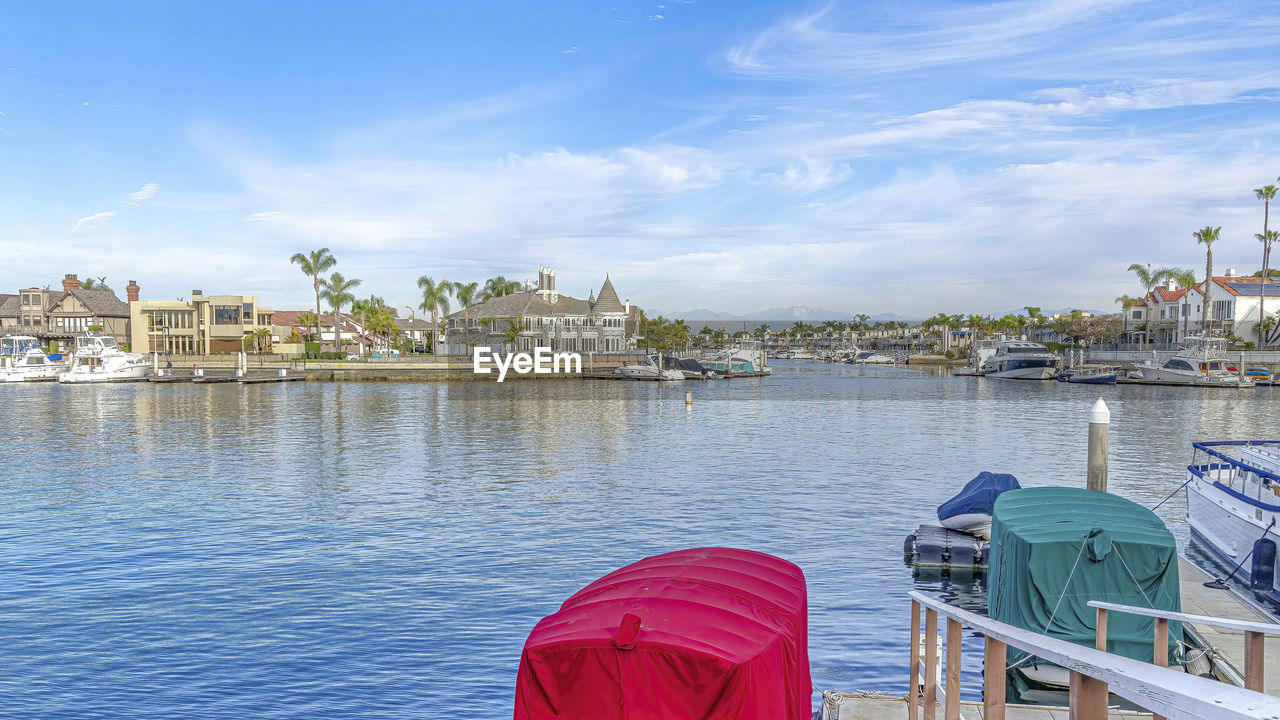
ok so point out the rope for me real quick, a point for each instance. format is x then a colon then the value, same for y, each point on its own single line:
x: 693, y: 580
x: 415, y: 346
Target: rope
x: 1054, y: 614
x: 1175, y: 492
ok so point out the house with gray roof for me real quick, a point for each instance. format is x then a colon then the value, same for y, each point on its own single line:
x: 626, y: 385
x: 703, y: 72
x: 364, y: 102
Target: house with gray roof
x: 543, y: 317
x: 56, y: 317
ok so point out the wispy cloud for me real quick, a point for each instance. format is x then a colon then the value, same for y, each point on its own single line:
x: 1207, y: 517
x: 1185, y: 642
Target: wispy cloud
x: 90, y: 222
x: 145, y: 193
x: 572, y: 50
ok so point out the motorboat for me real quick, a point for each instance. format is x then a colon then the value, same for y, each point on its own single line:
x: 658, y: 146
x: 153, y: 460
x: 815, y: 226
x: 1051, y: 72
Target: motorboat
x: 1091, y: 375
x: 1200, y: 361
x: 33, y: 366
x: 97, y: 359
x: 690, y: 368
x: 801, y: 355
x: 648, y: 369
x: 1053, y: 549
x: 745, y: 358
x: 1022, y: 360
x: 1233, y: 507
x: 871, y: 357
x: 970, y: 510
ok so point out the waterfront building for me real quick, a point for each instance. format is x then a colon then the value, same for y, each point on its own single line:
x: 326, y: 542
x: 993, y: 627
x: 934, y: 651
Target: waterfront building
x: 1173, y: 313
x: 57, y: 316
x: 202, y: 325
x: 416, y: 330
x: 350, y: 330
x: 543, y: 317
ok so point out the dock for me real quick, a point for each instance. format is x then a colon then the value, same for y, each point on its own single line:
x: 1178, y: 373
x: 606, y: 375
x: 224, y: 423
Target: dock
x: 214, y: 379
x: 853, y: 707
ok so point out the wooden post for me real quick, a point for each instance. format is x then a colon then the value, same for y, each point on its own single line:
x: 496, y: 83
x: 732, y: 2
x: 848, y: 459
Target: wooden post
x: 1160, y: 653
x: 952, y: 711
x: 993, y: 678
x: 1100, y: 634
x: 913, y: 691
x: 1088, y: 698
x: 1099, y: 425
x: 930, y: 663
x: 1253, y: 660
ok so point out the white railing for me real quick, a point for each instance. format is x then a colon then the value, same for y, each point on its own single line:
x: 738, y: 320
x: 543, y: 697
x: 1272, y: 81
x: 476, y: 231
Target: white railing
x: 1094, y: 673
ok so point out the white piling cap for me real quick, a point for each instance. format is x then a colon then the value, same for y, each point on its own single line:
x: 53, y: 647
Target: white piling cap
x: 1100, y: 414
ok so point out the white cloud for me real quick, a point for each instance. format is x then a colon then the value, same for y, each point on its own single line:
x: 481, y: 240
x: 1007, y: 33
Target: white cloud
x: 144, y: 193
x: 90, y: 222
x: 655, y: 17
x: 572, y: 50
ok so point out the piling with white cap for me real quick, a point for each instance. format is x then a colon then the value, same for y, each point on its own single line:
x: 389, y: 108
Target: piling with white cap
x: 1099, y: 425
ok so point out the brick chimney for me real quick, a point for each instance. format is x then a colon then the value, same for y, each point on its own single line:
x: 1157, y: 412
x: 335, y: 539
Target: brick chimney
x: 132, y: 290
x: 70, y: 282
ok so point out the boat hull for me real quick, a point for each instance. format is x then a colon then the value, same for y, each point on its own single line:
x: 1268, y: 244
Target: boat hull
x: 1106, y: 379
x: 132, y: 372
x: 1026, y: 373
x: 1228, y: 525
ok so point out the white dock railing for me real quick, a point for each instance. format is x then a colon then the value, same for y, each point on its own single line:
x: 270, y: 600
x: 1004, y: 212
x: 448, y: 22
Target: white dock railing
x: 1170, y: 693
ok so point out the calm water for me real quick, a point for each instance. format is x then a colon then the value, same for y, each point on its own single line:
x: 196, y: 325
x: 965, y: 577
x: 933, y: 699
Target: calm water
x: 376, y: 550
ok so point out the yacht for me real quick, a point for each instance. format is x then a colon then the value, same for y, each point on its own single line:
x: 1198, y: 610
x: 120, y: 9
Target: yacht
x: 1233, y: 506
x: 745, y: 358
x: 1201, y: 361
x: 32, y: 366
x: 979, y: 354
x: 98, y: 359
x: 1022, y: 360
x: 870, y: 357
x: 648, y: 369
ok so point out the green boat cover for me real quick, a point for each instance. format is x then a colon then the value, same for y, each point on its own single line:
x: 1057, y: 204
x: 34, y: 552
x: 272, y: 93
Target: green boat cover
x: 1053, y: 549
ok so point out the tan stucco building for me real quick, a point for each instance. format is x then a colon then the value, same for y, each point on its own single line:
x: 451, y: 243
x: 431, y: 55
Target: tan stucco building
x: 203, y: 325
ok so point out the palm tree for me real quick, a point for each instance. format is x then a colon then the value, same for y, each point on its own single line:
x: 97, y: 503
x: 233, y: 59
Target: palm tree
x: 99, y: 284
x: 682, y: 333
x: 337, y: 290
x: 1265, y: 193
x: 314, y: 264
x: 466, y: 296
x: 1208, y: 236
x: 1150, y: 279
x: 435, y: 300
x: 1186, y: 280
x: 497, y: 287
x: 1126, y: 303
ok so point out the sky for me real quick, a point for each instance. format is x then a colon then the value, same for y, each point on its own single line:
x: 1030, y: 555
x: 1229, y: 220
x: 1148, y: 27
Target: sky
x: 873, y: 157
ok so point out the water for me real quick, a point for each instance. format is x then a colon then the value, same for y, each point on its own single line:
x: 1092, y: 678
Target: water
x: 380, y: 550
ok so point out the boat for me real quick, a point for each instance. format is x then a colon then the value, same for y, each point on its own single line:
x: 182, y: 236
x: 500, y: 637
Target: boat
x: 648, y: 369
x: 1200, y: 361
x: 1053, y: 549
x: 1091, y: 375
x: 688, y: 367
x: 1022, y: 360
x: 801, y: 355
x: 970, y: 510
x: 33, y: 366
x: 1259, y: 375
x: 979, y: 353
x: 871, y: 357
x: 745, y: 358
x: 1233, y: 507
x: 698, y: 633
x: 97, y: 358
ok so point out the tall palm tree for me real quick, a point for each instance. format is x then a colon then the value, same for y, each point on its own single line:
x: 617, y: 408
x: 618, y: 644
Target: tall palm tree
x: 466, y: 296
x: 1208, y: 236
x: 315, y: 264
x: 1126, y: 303
x: 309, y: 320
x: 1186, y: 280
x: 1150, y: 279
x: 497, y: 287
x: 337, y: 290
x: 1266, y: 194
x: 435, y: 300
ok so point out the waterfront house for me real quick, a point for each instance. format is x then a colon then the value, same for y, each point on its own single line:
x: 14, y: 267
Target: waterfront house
x: 56, y: 317
x: 415, y: 330
x: 543, y: 317
x: 202, y: 325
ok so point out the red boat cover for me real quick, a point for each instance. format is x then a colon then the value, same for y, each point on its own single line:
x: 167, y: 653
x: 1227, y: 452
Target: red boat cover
x: 690, y: 635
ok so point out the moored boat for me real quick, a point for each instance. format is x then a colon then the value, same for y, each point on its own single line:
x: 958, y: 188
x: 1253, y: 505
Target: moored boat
x: 648, y: 369
x: 1093, y: 375
x: 1053, y: 549
x: 1022, y: 360
x: 970, y: 510
x: 33, y: 366
x: 745, y: 358
x: 1200, y: 361
x: 1260, y: 375
x: 97, y: 359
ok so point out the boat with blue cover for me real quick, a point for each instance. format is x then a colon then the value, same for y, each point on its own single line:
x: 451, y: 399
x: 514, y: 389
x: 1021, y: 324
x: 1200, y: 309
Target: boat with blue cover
x: 1233, y: 506
x: 970, y: 510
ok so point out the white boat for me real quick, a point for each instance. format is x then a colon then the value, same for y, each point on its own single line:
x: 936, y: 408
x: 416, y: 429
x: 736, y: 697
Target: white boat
x: 32, y: 366
x: 648, y: 369
x: 98, y: 359
x: 1022, y: 360
x: 979, y: 354
x: 1233, y: 503
x: 1201, y: 361
x: 745, y: 358
x: 801, y: 355
x: 871, y: 357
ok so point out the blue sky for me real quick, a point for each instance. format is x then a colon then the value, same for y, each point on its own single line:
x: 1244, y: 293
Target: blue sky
x: 857, y: 156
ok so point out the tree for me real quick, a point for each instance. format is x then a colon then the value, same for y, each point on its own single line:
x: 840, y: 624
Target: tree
x: 435, y: 300
x: 1207, y: 236
x: 310, y: 320
x: 1266, y: 194
x: 314, y: 264
x: 337, y: 290
x: 261, y: 338
x: 1186, y: 280
x: 1126, y: 303
x: 466, y: 297
x: 1150, y: 279
x: 99, y: 284
x: 512, y: 333
x: 498, y: 287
